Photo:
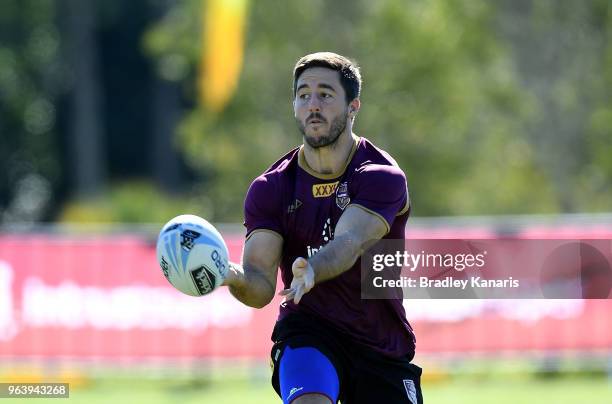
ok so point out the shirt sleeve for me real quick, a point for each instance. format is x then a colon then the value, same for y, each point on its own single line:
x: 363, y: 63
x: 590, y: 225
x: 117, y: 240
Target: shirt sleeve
x: 262, y: 207
x: 381, y: 190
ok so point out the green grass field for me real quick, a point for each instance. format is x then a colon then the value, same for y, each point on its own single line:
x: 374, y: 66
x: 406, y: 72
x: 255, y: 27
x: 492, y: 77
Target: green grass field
x: 228, y: 389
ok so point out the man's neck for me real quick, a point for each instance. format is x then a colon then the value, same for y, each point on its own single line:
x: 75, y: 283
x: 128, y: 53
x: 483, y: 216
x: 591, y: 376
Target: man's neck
x: 330, y: 159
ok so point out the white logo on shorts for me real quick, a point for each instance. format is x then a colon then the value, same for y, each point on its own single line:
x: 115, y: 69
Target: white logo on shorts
x: 295, y: 390
x: 410, y: 390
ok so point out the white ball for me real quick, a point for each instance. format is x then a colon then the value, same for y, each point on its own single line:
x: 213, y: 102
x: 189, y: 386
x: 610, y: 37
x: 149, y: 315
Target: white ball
x: 192, y: 255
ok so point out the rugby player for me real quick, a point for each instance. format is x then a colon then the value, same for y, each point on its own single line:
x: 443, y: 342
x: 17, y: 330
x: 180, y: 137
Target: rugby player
x: 311, y: 213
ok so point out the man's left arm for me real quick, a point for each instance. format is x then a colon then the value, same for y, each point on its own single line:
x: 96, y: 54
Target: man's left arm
x: 356, y: 227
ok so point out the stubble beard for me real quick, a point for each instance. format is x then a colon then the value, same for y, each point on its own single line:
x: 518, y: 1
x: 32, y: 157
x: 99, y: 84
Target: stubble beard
x: 336, y: 128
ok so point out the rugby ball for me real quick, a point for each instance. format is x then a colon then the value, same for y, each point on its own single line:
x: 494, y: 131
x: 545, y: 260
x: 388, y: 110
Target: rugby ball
x: 192, y: 255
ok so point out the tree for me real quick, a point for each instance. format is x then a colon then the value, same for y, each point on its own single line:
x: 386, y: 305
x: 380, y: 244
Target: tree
x: 438, y: 92
x: 32, y: 77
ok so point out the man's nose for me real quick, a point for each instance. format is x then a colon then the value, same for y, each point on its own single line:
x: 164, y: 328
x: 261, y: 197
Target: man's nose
x: 314, y: 104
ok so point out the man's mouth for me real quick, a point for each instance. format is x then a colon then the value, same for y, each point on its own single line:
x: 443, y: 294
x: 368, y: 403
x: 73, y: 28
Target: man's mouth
x: 315, y: 121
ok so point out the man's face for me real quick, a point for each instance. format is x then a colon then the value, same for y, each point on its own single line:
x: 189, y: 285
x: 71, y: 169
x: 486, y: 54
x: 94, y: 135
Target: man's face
x: 320, y: 106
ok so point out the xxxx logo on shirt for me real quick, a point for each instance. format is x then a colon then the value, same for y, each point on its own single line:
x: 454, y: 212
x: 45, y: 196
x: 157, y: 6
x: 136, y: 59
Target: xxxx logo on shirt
x: 324, y: 190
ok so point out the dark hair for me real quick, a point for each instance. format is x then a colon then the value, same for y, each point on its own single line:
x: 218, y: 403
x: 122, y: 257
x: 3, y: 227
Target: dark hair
x: 350, y: 77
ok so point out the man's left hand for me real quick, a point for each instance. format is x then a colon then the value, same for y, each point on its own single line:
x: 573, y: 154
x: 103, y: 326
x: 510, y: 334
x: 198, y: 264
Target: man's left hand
x: 303, y: 280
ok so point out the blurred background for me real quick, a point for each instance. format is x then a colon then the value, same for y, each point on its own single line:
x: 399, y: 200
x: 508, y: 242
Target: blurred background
x: 116, y: 116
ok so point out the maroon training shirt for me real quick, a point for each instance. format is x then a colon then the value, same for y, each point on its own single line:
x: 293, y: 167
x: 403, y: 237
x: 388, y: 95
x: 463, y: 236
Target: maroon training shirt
x: 303, y: 207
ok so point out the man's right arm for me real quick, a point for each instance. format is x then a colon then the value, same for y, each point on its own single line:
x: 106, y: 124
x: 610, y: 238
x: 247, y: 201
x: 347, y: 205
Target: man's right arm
x: 254, y: 283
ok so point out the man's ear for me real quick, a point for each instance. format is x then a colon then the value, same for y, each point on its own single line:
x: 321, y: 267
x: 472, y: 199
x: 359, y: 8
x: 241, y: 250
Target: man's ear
x: 354, y: 106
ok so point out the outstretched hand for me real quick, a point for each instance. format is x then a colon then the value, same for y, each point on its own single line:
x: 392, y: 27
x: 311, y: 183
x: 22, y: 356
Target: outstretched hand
x: 303, y: 280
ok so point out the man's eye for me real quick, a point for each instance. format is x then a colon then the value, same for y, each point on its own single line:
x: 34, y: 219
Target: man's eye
x: 304, y: 96
x: 325, y: 95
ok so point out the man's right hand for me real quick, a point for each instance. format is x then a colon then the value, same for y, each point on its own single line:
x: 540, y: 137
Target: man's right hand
x: 233, y: 275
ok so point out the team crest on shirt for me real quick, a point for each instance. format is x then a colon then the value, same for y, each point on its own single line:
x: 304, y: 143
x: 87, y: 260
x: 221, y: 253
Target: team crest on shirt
x: 342, y: 196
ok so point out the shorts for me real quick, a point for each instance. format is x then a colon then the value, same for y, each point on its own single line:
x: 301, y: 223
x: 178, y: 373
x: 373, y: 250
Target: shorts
x: 365, y: 376
x: 306, y: 370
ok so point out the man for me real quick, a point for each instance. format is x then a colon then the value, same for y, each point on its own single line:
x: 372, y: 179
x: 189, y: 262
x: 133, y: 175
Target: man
x: 312, y: 212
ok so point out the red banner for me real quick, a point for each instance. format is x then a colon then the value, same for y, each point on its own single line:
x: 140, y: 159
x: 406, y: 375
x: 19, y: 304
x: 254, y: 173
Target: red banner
x: 105, y: 297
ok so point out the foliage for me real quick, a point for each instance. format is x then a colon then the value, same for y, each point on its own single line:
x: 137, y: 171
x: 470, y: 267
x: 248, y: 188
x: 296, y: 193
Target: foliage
x: 440, y: 93
x: 443, y: 92
x: 489, y: 107
x: 132, y: 202
x: 31, y: 78
x: 563, y: 54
